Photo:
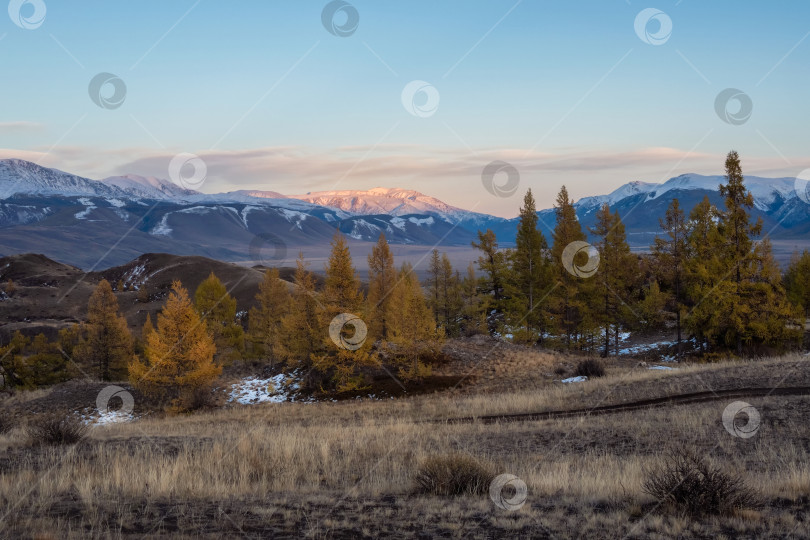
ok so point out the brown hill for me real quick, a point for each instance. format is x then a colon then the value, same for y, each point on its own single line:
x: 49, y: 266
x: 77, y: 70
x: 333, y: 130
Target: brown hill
x: 50, y: 295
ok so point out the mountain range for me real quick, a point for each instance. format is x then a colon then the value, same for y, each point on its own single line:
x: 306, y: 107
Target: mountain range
x: 81, y: 221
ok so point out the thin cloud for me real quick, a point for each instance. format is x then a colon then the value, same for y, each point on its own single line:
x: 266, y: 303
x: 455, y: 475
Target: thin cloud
x: 13, y: 128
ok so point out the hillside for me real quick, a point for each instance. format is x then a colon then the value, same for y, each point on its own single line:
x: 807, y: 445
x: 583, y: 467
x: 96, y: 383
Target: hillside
x: 52, y: 295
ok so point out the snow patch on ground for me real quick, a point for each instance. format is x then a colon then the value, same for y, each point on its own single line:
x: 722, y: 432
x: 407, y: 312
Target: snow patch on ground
x: 98, y: 418
x: 579, y: 378
x: 118, y: 203
x: 636, y: 349
x: 662, y: 368
x: 276, y: 389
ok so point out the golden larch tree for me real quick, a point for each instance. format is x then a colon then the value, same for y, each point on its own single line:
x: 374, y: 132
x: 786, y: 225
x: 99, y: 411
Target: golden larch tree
x: 179, y: 363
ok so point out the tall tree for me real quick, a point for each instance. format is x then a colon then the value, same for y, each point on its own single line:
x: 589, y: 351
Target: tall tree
x: 565, y: 303
x: 106, y: 342
x: 381, y: 282
x: 670, y: 255
x: 342, y: 294
x: 302, y: 329
x: 703, y: 270
x: 530, y: 275
x: 617, y: 269
x: 178, y: 367
x: 413, y: 329
x: 740, y: 302
x: 264, y: 321
x: 443, y: 293
x: 452, y: 302
x: 218, y: 309
x: 493, y: 263
x: 736, y: 231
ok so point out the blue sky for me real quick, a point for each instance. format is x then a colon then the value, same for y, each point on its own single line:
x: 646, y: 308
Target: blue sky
x: 565, y: 91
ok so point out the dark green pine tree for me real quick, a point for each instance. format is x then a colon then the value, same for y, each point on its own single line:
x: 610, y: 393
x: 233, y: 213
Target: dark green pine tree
x: 741, y: 303
x: 703, y: 271
x: 616, y: 277
x: 564, y: 302
x: 492, y: 263
x: 530, y: 277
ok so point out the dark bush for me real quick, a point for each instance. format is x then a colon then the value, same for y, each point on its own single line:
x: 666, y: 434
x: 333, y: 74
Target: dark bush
x: 689, y: 485
x: 454, y: 474
x: 590, y: 368
x: 56, y: 430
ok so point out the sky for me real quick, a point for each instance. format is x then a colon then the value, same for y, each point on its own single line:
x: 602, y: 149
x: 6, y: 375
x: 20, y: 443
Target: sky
x: 292, y: 96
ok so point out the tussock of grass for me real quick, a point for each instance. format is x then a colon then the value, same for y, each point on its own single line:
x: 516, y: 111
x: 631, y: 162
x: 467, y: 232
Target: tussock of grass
x: 56, y: 430
x: 453, y: 474
x: 591, y: 368
x: 689, y: 484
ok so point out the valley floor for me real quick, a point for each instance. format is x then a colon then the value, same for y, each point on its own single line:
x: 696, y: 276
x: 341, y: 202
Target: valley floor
x: 346, y: 469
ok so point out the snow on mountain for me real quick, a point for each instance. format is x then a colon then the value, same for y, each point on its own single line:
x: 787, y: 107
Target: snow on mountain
x: 627, y: 190
x: 391, y: 201
x: 764, y: 190
x: 259, y: 194
x: 148, y: 187
x: 19, y: 176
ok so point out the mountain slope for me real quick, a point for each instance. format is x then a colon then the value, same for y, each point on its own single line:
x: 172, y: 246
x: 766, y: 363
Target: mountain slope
x: 148, y: 187
x: 19, y: 176
x: 391, y: 201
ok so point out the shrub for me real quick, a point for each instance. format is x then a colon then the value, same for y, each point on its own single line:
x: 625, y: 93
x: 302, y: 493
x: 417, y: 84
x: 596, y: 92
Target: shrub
x: 690, y: 485
x: 590, y: 368
x: 454, y: 474
x: 57, y: 430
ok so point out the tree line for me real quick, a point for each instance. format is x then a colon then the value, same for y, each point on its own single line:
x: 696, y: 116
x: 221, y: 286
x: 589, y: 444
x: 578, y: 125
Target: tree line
x: 706, y: 277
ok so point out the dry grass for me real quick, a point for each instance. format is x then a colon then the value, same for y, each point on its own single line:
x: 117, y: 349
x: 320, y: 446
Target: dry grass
x: 453, y: 474
x: 586, y: 473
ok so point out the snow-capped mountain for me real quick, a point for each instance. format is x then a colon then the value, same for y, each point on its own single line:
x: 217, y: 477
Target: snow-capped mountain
x: 77, y: 219
x: 19, y: 176
x: 765, y: 190
x: 259, y: 194
x: 391, y: 201
x: 148, y: 187
x: 405, y: 203
x: 785, y: 215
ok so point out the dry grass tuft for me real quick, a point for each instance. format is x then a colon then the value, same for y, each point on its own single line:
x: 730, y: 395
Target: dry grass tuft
x: 454, y: 474
x: 56, y: 430
x: 590, y: 368
x: 690, y: 485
